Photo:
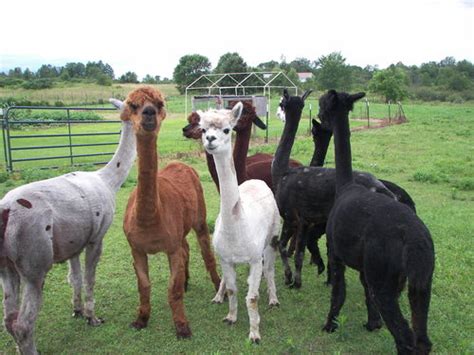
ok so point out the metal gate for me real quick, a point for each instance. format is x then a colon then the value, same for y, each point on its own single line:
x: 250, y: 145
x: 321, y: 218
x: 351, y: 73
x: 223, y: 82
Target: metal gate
x: 69, y: 143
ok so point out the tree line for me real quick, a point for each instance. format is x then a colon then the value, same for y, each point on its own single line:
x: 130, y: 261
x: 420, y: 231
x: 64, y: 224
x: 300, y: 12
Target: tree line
x: 446, y: 80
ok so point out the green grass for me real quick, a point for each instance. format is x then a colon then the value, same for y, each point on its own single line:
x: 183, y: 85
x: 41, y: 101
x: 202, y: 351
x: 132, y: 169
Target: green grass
x: 431, y: 157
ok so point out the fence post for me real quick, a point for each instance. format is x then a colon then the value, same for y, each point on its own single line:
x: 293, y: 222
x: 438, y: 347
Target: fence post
x: 70, y: 138
x: 389, y: 115
x: 309, y: 128
x: 266, y: 122
x: 368, y: 112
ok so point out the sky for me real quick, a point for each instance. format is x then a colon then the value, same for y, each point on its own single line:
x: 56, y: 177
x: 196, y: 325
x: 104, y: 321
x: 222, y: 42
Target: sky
x: 149, y: 37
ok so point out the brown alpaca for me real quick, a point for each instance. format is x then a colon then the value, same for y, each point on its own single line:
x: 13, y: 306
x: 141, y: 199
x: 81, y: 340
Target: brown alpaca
x: 162, y: 210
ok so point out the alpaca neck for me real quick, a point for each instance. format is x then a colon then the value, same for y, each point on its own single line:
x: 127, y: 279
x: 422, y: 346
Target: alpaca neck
x: 241, y: 149
x: 116, y: 171
x: 342, y: 147
x: 240, y: 158
x: 228, y: 185
x: 281, y: 161
x: 320, y: 150
x: 148, y: 201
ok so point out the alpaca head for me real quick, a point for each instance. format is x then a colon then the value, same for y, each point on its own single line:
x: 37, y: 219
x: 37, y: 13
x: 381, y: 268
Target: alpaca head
x: 291, y: 104
x: 145, y: 108
x: 334, y: 105
x: 216, y: 127
x: 319, y: 132
x: 248, y: 116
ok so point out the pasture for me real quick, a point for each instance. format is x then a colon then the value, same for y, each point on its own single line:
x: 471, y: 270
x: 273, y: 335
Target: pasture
x: 431, y: 156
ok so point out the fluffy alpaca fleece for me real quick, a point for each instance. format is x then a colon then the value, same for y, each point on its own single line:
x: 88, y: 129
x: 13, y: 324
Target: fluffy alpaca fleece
x: 381, y: 238
x: 247, y: 223
x: 162, y: 210
x: 52, y: 221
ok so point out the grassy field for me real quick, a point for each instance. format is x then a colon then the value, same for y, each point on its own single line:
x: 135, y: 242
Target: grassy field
x: 431, y: 157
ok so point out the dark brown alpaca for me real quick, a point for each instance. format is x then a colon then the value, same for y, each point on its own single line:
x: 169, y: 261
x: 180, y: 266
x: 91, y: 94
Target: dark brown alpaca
x: 381, y: 238
x: 161, y: 211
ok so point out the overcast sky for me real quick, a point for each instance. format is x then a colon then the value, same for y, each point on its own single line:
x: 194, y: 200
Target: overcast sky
x: 150, y: 36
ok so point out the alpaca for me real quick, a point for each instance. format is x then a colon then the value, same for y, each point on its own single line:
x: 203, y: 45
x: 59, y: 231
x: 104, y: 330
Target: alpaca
x: 51, y: 221
x: 381, y: 238
x: 304, y: 195
x: 162, y: 210
x: 257, y: 166
x: 248, y: 222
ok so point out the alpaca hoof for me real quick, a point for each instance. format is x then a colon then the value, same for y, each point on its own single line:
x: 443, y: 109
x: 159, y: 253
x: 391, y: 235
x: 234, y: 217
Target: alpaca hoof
x: 229, y: 321
x: 371, y: 326
x: 77, y: 313
x: 254, y: 338
x: 94, y: 321
x: 138, y: 324
x: 218, y: 299
x: 296, y: 284
x: 274, y: 304
x: 288, y: 278
x: 183, y: 331
x: 330, y: 327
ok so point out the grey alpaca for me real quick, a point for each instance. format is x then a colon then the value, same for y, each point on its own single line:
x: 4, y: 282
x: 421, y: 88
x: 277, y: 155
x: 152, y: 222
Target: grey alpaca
x: 52, y: 221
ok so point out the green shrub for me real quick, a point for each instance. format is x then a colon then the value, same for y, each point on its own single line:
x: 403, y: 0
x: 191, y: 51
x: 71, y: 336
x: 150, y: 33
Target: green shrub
x: 44, y: 115
x: 38, y: 84
x: 466, y: 184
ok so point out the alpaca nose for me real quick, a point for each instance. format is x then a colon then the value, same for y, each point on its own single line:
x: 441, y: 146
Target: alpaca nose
x: 149, y: 111
x: 149, y: 119
x: 210, y: 138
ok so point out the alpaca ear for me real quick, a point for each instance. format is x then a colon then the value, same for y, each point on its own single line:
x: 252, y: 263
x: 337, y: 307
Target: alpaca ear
x: 357, y: 96
x: 316, y: 123
x: 306, y: 94
x: 126, y: 113
x: 236, y: 112
x: 259, y: 123
x: 116, y: 103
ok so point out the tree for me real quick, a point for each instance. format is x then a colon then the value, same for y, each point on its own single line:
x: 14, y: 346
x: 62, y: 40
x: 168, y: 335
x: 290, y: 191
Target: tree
x: 189, y: 68
x: 390, y: 82
x: 301, y: 65
x: 74, y: 70
x: 333, y: 73
x: 129, y: 77
x: 268, y: 66
x: 47, y: 71
x: 148, y: 79
x: 231, y: 63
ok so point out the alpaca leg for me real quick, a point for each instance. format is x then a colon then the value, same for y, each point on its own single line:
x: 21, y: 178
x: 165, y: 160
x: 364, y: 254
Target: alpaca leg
x: 301, y: 242
x: 292, y: 246
x: 140, y: 264
x: 93, y: 252
x: 203, y: 237
x: 419, y: 304
x: 230, y: 278
x: 269, y: 256
x: 286, y: 234
x: 314, y: 234
x: 338, y: 294
x: 75, y: 280
x: 220, y: 294
x: 387, y: 303
x: 23, y: 326
x: 11, y: 293
x: 176, y: 293
x: 328, y: 271
x: 186, y: 264
x: 374, y: 321
x: 252, y: 301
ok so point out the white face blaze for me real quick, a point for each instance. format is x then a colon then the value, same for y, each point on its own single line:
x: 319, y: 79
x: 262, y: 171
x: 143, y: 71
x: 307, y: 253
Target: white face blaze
x: 217, y: 127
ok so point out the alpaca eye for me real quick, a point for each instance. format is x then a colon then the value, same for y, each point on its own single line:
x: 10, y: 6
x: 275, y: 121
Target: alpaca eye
x: 226, y: 130
x: 203, y: 130
x: 133, y: 106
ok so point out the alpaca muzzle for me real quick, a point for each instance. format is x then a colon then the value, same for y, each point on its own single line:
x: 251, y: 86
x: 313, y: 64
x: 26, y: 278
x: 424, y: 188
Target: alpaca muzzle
x: 149, y: 121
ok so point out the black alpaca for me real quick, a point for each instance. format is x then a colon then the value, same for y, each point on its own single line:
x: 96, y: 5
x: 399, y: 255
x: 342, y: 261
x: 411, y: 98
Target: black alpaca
x: 305, y: 195
x: 321, y: 138
x: 381, y: 238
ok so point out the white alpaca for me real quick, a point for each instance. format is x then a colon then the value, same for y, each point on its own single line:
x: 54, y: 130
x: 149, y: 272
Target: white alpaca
x: 247, y: 224
x: 52, y: 221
